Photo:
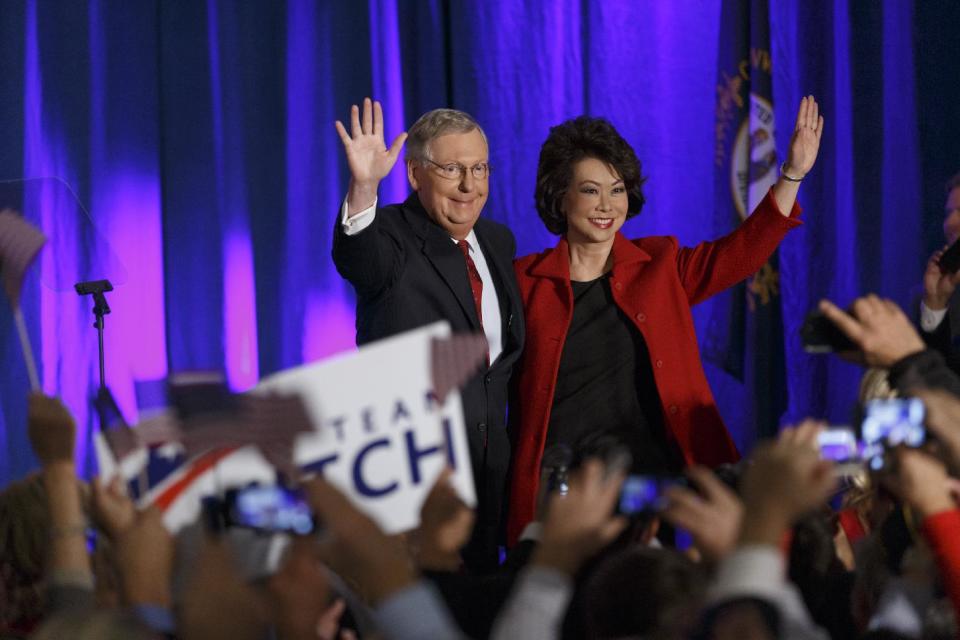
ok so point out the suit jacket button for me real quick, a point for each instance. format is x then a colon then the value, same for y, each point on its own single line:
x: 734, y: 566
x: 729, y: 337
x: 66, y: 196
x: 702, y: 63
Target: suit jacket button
x: 659, y: 364
x: 641, y: 317
x: 488, y: 378
x: 481, y: 427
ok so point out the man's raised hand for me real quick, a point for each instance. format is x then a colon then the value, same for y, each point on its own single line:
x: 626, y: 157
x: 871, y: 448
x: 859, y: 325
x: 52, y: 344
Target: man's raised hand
x: 368, y: 157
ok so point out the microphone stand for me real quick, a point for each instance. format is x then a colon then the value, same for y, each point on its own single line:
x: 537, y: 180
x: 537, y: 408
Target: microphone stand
x: 97, y: 288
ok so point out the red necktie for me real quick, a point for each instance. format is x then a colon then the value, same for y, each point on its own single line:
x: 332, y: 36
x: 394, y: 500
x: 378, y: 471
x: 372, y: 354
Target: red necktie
x: 476, y: 284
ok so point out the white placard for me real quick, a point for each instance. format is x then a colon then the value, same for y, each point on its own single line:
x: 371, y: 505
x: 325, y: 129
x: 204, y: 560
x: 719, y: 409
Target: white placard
x: 382, y: 437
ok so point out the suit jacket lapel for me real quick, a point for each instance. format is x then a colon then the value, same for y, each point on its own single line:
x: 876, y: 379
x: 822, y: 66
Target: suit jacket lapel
x: 444, y: 255
x: 500, y: 262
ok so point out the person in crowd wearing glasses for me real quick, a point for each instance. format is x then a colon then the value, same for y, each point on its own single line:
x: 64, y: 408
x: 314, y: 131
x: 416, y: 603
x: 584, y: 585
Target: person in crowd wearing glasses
x: 611, y: 343
x: 432, y: 257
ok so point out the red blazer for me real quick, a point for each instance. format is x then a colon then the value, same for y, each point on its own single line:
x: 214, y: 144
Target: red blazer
x: 654, y: 282
x: 942, y: 531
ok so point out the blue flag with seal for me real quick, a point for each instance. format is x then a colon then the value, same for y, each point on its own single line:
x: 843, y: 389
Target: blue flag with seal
x: 745, y: 330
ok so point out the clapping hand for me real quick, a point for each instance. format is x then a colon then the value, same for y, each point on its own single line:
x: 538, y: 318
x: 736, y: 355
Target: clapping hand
x: 368, y: 157
x: 805, y: 141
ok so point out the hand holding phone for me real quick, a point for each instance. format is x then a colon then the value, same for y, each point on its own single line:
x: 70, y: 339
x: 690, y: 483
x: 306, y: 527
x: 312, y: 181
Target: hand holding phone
x: 820, y: 335
x: 272, y: 509
x: 838, y: 444
x: 641, y: 495
x: 891, y: 423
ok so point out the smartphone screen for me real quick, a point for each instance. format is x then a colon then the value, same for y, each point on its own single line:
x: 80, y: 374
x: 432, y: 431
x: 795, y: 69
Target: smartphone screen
x: 270, y: 508
x: 838, y: 444
x: 889, y: 423
x: 894, y: 422
x: 644, y: 494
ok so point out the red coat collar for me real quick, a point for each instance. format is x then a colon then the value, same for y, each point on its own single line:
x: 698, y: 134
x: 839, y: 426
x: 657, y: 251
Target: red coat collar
x: 555, y: 263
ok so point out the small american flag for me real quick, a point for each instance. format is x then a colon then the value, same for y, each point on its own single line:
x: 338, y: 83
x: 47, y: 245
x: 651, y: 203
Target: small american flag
x: 116, y: 432
x: 20, y: 242
x: 269, y: 422
x: 453, y: 360
x: 158, y: 422
x: 181, y: 454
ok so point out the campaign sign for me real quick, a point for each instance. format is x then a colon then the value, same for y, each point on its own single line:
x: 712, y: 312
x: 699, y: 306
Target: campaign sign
x: 381, y: 435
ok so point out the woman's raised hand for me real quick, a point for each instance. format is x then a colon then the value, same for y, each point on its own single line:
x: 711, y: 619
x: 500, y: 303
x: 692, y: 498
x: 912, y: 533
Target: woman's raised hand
x: 805, y: 141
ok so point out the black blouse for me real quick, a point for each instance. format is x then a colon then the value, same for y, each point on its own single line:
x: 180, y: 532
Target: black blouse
x: 605, y: 384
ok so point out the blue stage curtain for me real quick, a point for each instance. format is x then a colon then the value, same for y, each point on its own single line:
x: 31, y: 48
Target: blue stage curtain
x: 200, y: 137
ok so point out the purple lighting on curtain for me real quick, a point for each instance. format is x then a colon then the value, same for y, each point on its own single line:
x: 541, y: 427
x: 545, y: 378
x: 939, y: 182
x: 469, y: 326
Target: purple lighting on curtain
x: 126, y: 204
x: 318, y: 312
x: 388, y: 88
x: 66, y: 354
x: 240, y: 329
x: 136, y: 346
x: 328, y: 325
x: 239, y: 297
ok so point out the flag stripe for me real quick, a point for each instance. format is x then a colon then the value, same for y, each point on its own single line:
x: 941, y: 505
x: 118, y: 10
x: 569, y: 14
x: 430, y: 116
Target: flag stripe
x: 198, y: 468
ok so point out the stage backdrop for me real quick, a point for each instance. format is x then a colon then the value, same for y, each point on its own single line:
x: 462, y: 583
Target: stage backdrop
x: 200, y: 137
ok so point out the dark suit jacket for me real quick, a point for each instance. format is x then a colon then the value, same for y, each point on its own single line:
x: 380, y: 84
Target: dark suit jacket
x: 408, y: 273
x: 946, y: 336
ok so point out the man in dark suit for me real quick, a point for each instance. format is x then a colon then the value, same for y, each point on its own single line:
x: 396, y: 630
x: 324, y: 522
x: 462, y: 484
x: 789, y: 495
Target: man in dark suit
x: 939, y: 307
x: 433, y: 258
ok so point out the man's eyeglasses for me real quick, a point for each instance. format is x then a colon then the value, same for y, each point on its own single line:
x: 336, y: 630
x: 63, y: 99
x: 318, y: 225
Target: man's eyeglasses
x: 456, y: 171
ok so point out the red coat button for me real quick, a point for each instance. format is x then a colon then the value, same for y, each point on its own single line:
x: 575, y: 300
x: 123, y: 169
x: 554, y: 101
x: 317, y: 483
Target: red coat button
x: 641, y: 317
x: 659, y: 364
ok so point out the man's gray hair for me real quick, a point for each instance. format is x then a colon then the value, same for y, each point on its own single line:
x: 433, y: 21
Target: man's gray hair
x: 434, y: 124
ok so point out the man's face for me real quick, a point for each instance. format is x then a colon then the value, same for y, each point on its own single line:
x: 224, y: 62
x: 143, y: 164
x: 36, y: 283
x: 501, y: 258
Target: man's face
x: 454, y: 204
x: 951, y: 218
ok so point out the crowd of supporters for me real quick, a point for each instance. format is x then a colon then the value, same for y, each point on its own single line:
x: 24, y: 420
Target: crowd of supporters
x: 783, y: 545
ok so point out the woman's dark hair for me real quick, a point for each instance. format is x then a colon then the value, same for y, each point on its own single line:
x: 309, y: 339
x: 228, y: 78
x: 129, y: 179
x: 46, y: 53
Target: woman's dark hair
x: 569, y: 143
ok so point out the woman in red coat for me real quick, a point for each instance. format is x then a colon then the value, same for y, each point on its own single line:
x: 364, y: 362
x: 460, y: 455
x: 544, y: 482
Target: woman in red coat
x: 611, y: 345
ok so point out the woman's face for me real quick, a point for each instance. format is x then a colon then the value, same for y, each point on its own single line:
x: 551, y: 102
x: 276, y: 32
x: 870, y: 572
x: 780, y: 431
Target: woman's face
x: 595, y: 203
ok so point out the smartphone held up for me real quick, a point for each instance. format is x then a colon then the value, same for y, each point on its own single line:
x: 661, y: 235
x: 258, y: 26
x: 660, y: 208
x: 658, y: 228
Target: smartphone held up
x: 886, y: 424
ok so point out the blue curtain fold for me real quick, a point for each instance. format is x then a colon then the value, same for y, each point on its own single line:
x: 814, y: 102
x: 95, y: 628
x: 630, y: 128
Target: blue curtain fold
x: 200, y: 137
